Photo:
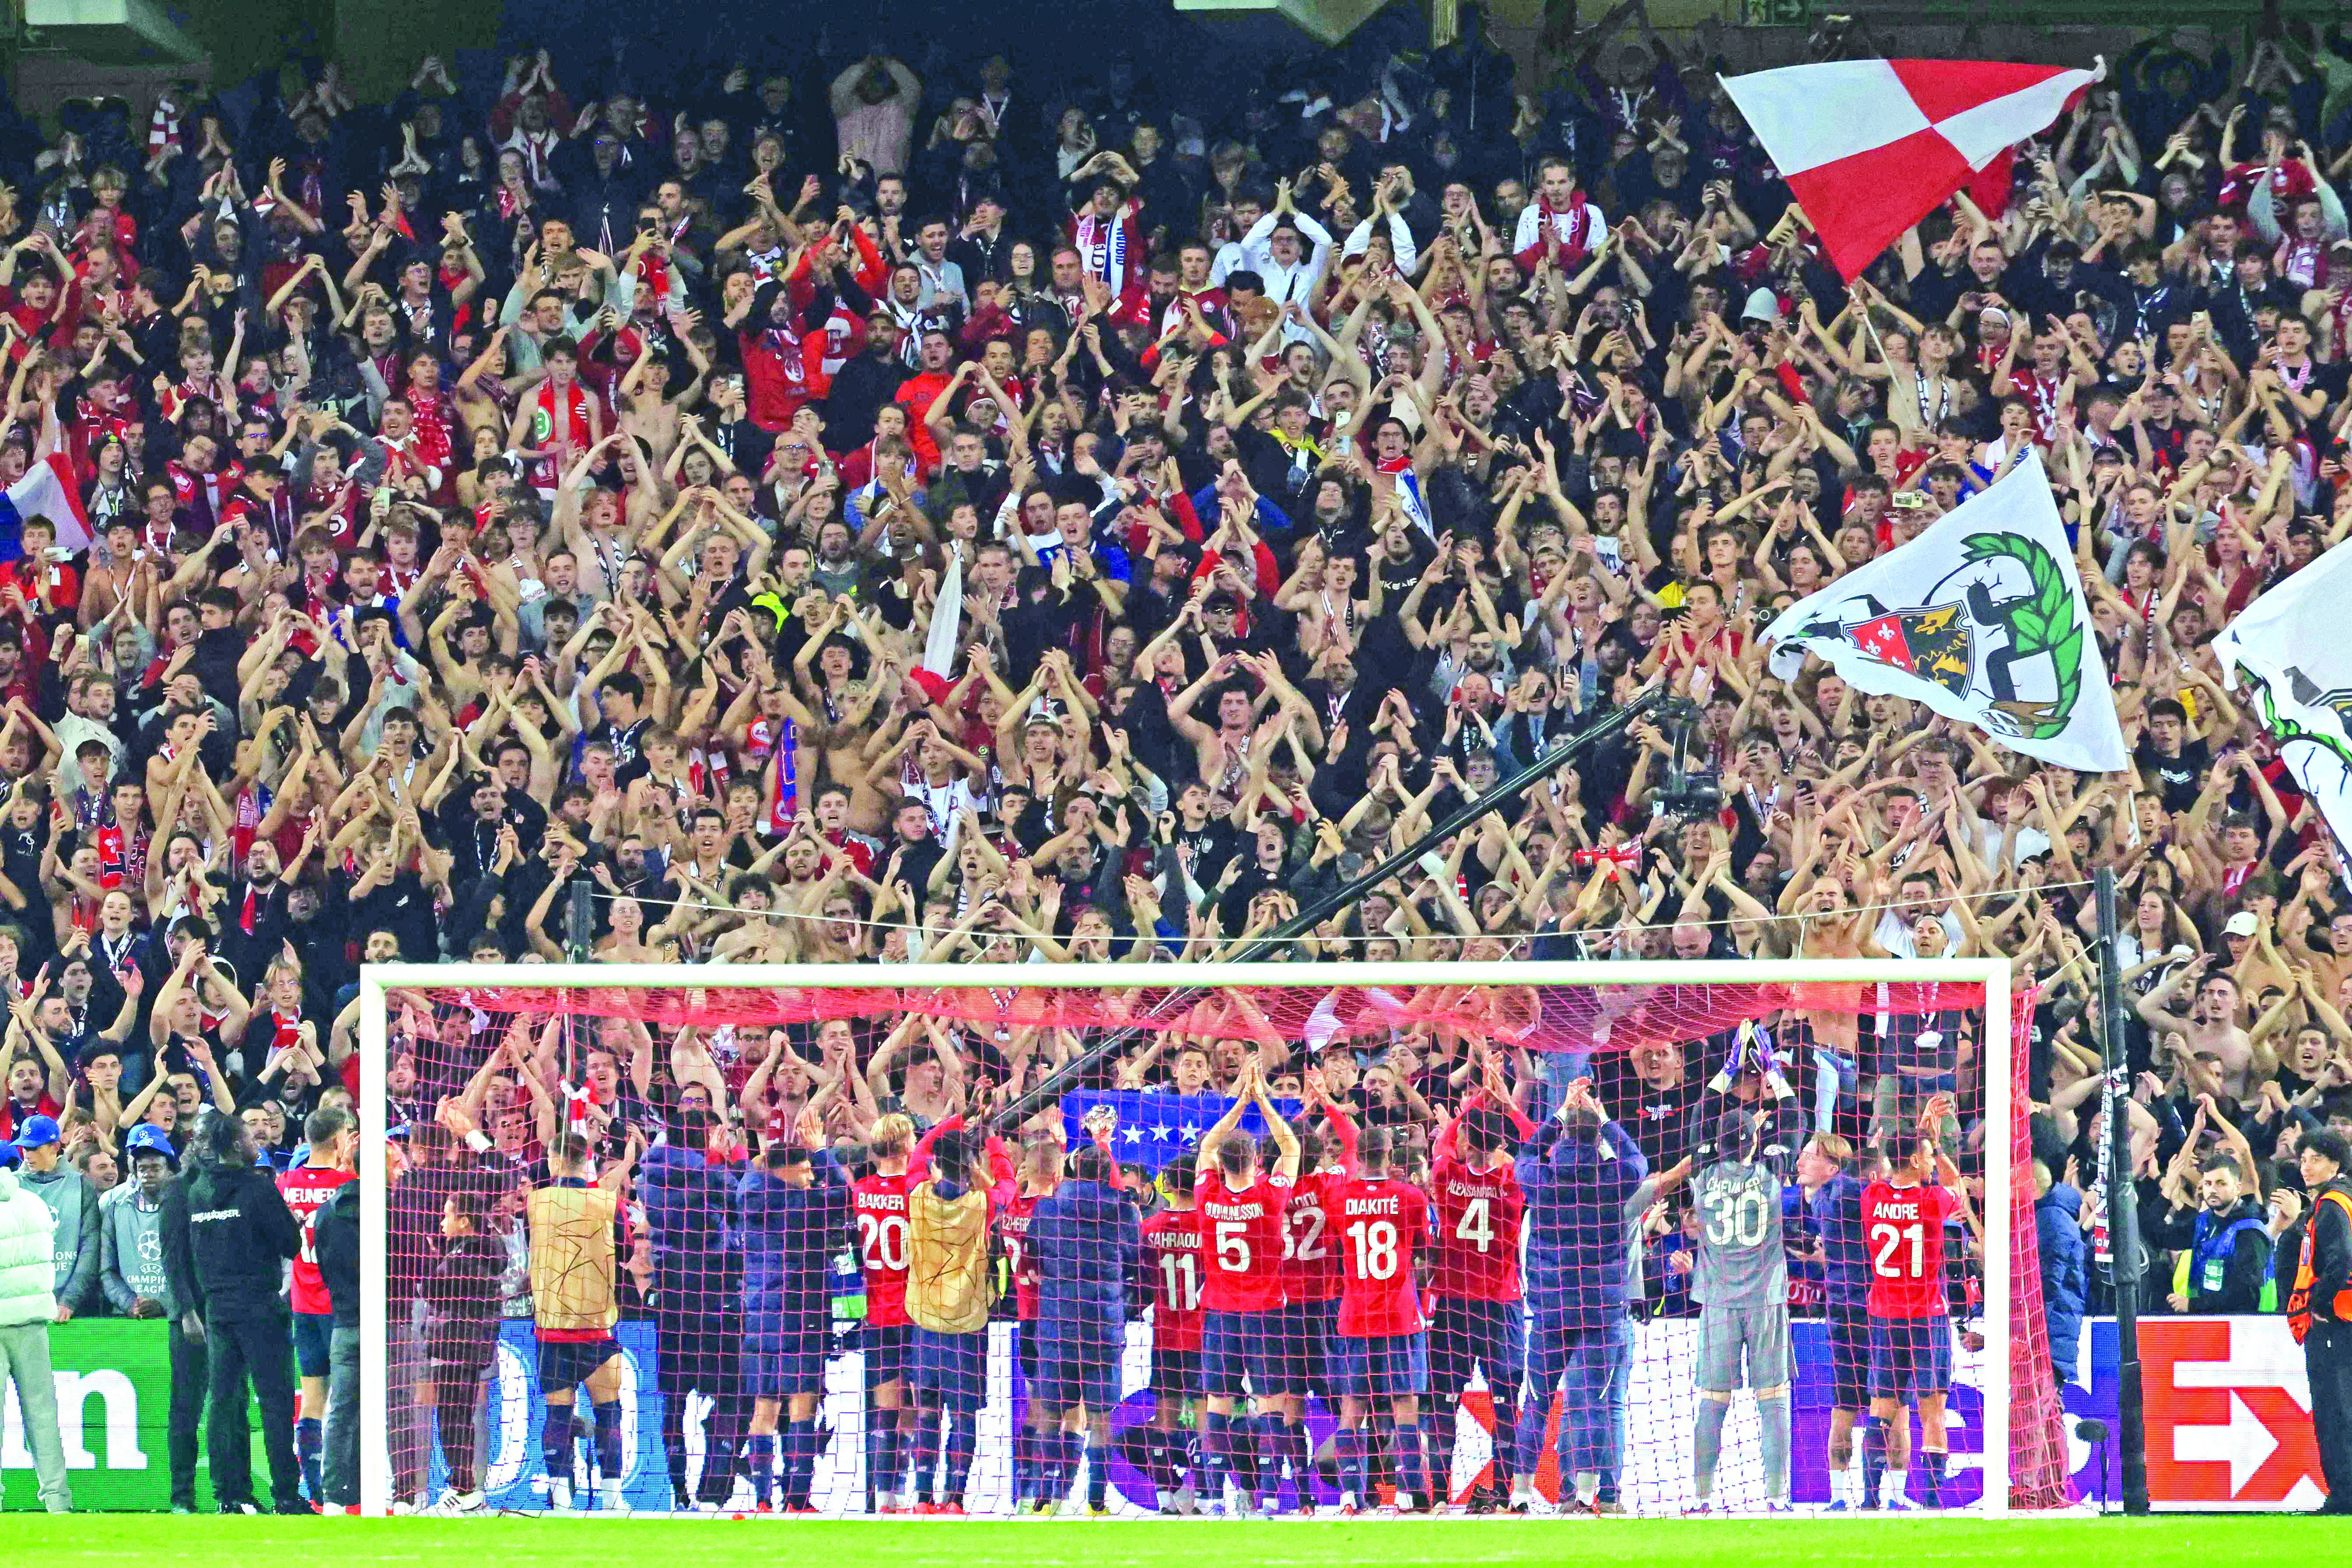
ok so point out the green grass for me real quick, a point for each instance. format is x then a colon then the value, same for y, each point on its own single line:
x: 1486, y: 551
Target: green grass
x: 2193, y: 1541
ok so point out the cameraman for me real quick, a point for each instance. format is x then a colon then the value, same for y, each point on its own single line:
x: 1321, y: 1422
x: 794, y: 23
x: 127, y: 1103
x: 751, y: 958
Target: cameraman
x: 227, y: 1234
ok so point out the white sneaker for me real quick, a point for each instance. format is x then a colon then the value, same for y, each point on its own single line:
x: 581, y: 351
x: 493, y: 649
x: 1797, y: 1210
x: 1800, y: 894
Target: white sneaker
x: 558, y: 1495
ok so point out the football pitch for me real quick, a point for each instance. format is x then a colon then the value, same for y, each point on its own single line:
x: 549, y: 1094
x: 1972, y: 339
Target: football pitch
x: 2200, y: 1541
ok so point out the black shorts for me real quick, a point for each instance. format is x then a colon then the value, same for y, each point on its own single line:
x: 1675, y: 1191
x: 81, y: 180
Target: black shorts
x: 1300, y: 1352
x: 1849, y: 1332
x: 1910, y: 1358
x: 1465, y: 1335
x: 564, y: 1363
x: 889, y: 1353
x: 1175, y: 1374
x: 314, y: 1334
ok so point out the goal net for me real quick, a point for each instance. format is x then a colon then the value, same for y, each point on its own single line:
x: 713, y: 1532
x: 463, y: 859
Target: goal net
x: 1646, y: 1238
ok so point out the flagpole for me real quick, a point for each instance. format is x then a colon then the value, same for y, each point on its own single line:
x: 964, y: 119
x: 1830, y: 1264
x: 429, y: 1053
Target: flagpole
x: 2123, y: 1201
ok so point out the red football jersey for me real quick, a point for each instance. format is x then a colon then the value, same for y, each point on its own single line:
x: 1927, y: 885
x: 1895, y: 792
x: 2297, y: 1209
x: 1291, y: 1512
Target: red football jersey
x: 1172, y: 1240
x: 1310, y: 1253
x: 1013, y: 1228
x: 881, y: 1203
x: 1242, y: 1233
x: 1477, y: 1216
x: 1382, y: 1224
x: 305, y: 1191
x: 1903, y: 1229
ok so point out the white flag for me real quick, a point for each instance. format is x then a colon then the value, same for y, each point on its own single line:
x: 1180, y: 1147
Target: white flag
x: 2282, y: 649
x: 1981, y: 618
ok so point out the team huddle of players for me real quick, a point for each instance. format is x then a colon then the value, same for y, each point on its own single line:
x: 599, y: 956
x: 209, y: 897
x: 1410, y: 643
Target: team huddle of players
x: 1302, y: 1264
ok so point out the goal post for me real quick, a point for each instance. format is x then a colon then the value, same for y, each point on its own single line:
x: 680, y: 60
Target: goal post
x: 1555, y: 1012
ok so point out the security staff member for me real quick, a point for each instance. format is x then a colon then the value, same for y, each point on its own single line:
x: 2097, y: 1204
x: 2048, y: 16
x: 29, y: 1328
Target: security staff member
x: 2319, y: 1310
x: 227, y: 1234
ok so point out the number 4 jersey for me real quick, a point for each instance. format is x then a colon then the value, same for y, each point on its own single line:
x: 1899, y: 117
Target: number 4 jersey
x: 1477, y: 1218
x: 1903, y: 1228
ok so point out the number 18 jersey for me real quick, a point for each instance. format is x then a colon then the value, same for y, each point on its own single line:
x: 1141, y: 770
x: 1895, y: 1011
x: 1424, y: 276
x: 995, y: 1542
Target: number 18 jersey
x: 1382, y: 1224
x: 1903, y: 1229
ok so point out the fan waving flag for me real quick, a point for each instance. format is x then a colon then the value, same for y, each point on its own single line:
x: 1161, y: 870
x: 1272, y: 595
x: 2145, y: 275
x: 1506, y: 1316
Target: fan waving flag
x: 1870, y: 147
x: 48, y: 490
x: 1982, y: 618
x: 2282, y: 650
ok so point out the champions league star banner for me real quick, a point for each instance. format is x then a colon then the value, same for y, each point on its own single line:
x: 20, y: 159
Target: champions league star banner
x: 1153, y: 1129
x: 1981, y: 618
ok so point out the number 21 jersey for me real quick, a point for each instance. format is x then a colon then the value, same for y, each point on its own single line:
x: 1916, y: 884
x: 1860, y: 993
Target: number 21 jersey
x: 1903, y: 1231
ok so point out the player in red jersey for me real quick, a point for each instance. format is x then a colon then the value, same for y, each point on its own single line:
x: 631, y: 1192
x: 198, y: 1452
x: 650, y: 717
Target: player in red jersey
x: 1041, y: 1173
x: 879, y: 1204
x: 1171, y: 1251
x: 1383, y: 1350
x: 1903, y: 1219
x: 1242, y: 1233
x: 1475, y: 1211
x: 334, y: 1136
x: 1311, y: 1281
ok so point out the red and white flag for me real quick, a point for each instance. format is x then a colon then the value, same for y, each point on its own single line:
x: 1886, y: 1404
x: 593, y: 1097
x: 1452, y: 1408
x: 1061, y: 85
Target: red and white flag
x: 1870, y: 147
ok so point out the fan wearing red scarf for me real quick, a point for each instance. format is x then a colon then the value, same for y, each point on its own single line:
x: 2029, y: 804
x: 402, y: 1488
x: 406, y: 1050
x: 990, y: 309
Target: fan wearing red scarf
x: 777, y: 354
x: 559, y: 421
x: 1560, y: 223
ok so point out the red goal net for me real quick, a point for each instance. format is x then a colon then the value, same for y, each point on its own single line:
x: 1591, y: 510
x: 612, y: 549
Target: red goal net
x: 1560, y: 1245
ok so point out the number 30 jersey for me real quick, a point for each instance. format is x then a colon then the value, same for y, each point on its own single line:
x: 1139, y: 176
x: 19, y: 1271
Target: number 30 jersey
x: 1741, y: 1262
x: 1903, y: 1229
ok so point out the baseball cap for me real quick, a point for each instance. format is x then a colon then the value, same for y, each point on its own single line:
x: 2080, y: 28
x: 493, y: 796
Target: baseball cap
x: 149, y: 1139
x: 40, y: 1130
x: 2241, y: 924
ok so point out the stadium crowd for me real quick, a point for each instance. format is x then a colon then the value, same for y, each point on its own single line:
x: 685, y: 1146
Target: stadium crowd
x: 832, y: 514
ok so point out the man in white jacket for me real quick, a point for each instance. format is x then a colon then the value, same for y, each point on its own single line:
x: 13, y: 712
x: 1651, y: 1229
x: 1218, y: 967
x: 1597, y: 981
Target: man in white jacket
x: 27, y: 1307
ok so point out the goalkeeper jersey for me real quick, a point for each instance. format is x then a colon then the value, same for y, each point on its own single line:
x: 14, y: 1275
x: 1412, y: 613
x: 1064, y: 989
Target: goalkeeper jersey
x: 1742, y: 1259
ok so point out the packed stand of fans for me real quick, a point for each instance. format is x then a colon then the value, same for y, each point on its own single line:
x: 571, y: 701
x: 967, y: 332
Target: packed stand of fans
x: 840, y: 517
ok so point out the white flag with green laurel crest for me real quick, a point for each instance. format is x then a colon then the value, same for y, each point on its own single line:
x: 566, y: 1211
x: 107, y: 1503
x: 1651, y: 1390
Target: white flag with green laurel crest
x: 2282, y: 649
x: 1981, y: 618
